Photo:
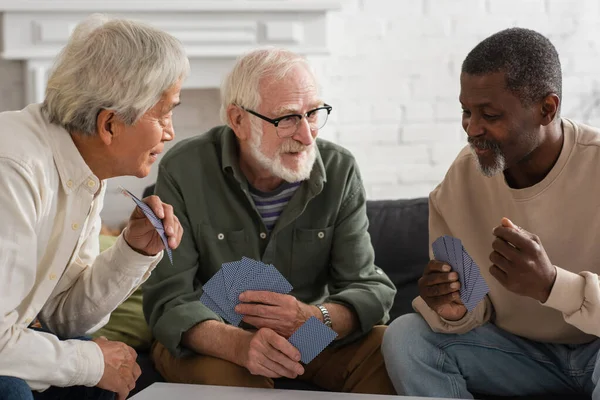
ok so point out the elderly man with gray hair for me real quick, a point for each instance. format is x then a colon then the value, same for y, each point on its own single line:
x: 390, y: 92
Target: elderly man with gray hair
x: 107, y: 112
x: 265, y: 187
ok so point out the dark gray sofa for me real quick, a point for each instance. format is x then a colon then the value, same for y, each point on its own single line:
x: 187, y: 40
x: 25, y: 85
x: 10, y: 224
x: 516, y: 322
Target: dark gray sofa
x: 399, y: 233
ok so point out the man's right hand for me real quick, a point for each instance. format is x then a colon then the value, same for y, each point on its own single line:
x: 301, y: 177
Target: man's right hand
x: 439, y: 287
x: 120, y: 367
x: 268, y: 354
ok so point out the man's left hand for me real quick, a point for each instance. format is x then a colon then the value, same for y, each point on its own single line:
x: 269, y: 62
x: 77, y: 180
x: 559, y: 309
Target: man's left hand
x: 143, y: 237
x: 280, y: 312
x: 520, y: 262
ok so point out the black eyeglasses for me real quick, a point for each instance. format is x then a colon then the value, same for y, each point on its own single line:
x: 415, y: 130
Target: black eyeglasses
x: 287, y: 125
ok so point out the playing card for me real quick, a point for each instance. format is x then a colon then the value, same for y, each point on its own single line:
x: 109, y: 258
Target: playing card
x: 268, y: 279
x: 230, y: 270
x: 449, y: 242
x: 477, y: 287
x: 439, y: 250
x: 248, y: 269
x: 458, y: 255
x: 311, y: 339
x: 208, y: 302
x: 215, y: 288
x: 154, y: 220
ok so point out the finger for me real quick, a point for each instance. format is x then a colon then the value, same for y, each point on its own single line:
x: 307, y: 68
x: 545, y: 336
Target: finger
x: 169, y: 220
x: 156, y: 205
x: 127, y: 376
x: 440, y: 290
x: 436, y: 266
x: 261, y: 296
x: 257, y: 310
x: 521, y: 239
x: 277, y: 368
x: 261, y: 370
x: 508, y: 223
x: 132, y: 352
x: 500, y: 275
x: 176, y: 239
x: 285, y: 347
x: 123, y: 392
x: 289, y: 365
x: 505, y: 249
x: 262, y: 322
x: 501, y: 262
x: 439, y: 277
x: 435, y: 302
x: 137, y: 371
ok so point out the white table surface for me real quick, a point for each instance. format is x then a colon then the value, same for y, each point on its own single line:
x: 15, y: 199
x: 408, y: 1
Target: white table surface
x: 175, y: 391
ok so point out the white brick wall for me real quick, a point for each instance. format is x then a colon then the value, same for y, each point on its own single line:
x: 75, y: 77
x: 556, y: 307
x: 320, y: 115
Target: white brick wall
x: 382, y: 47
x: 392, y: 78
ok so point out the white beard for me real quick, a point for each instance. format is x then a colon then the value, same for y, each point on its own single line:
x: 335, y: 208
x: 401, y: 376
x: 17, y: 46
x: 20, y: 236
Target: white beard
x: 275, y: 165
x: 490, y: 170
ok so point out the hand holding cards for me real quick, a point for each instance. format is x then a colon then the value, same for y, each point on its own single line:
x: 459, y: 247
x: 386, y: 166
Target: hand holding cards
x: 147, y: 242
x: 473, y: 287
x: 222, y: 292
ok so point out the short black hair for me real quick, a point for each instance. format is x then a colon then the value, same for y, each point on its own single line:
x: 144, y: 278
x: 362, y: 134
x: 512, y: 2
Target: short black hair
x: 528, y: 59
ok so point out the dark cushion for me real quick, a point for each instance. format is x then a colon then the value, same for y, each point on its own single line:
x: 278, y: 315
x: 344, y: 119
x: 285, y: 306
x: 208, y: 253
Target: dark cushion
x: 398, y: 230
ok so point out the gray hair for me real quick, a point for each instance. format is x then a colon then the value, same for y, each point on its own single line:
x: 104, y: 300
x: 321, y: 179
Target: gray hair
x: 242, y: 85
x: 115, y: 64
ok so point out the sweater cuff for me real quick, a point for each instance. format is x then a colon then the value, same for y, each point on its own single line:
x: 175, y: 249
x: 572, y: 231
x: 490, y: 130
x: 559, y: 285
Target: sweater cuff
x: 567, y: 294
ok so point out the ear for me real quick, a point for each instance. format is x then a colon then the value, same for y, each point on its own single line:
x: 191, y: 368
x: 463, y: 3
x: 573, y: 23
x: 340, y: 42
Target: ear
x: 549, y: 109
x: 238, y: 121
x: 106, y: 126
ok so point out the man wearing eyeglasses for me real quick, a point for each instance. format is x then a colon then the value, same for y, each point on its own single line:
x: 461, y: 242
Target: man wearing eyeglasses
x: 266, y: 188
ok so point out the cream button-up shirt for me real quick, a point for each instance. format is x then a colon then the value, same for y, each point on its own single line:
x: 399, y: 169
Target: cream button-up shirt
x: 50, y: 266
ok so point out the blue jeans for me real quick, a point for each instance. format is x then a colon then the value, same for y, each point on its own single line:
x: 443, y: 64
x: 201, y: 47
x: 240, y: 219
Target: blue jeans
x: 486, y: 360
x: 17, y: 389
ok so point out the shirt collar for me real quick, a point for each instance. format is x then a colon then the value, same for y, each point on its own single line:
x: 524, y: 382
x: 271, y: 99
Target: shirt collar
x: 230, y: 160
x: 72, y: 168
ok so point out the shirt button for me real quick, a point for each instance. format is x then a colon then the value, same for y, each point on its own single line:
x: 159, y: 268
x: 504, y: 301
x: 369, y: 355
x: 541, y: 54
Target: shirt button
x: 220, y: 236
x: 75, y: 226
x: 52, y: 276
x: 70, y: 183
x: 91, y: 183
x: 321, y: 235
x: 263, y: 235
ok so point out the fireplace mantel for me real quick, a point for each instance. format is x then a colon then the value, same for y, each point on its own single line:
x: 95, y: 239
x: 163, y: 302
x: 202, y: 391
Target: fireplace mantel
x: 214, y: 33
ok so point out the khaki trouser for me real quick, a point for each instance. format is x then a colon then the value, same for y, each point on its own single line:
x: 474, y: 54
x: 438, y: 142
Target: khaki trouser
x: 357, y: 368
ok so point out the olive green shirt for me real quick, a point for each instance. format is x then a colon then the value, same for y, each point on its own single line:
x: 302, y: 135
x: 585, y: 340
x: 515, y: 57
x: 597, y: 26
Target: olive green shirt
x: 320, y: 242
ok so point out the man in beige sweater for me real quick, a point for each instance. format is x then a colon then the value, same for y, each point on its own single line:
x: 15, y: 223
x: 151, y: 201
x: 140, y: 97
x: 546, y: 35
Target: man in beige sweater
x: 523, y: 199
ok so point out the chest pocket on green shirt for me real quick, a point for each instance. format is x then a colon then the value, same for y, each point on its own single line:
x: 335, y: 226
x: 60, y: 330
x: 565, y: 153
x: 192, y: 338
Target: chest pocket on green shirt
x: 221, y: 245
x: 311, y: 255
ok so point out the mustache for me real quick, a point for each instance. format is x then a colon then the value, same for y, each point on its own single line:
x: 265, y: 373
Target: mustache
x: 484, y: 144
x: 293, y: 146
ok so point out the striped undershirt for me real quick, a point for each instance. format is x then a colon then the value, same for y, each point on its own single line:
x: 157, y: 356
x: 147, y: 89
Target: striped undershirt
x: 271, y: 204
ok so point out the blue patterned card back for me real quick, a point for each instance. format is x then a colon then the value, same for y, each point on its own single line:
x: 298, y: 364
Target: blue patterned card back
x: 477, y: 287
x: 154, y: 220
x: 215, y: 288
x: 269, y: 279
x: 439, y: 251
x: 312, y: 338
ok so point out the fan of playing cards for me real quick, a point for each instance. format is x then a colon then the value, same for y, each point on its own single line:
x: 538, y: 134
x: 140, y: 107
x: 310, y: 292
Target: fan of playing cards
x: 154, y: 220
x: 222, y: 292
x: 473, y: 287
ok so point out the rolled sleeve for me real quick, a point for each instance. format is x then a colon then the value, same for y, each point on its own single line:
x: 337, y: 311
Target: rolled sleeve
x: 172, y: 324
x: 355, y: 280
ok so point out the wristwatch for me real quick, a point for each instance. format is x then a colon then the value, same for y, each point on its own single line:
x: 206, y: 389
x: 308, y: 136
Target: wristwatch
x: 326, y: 316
